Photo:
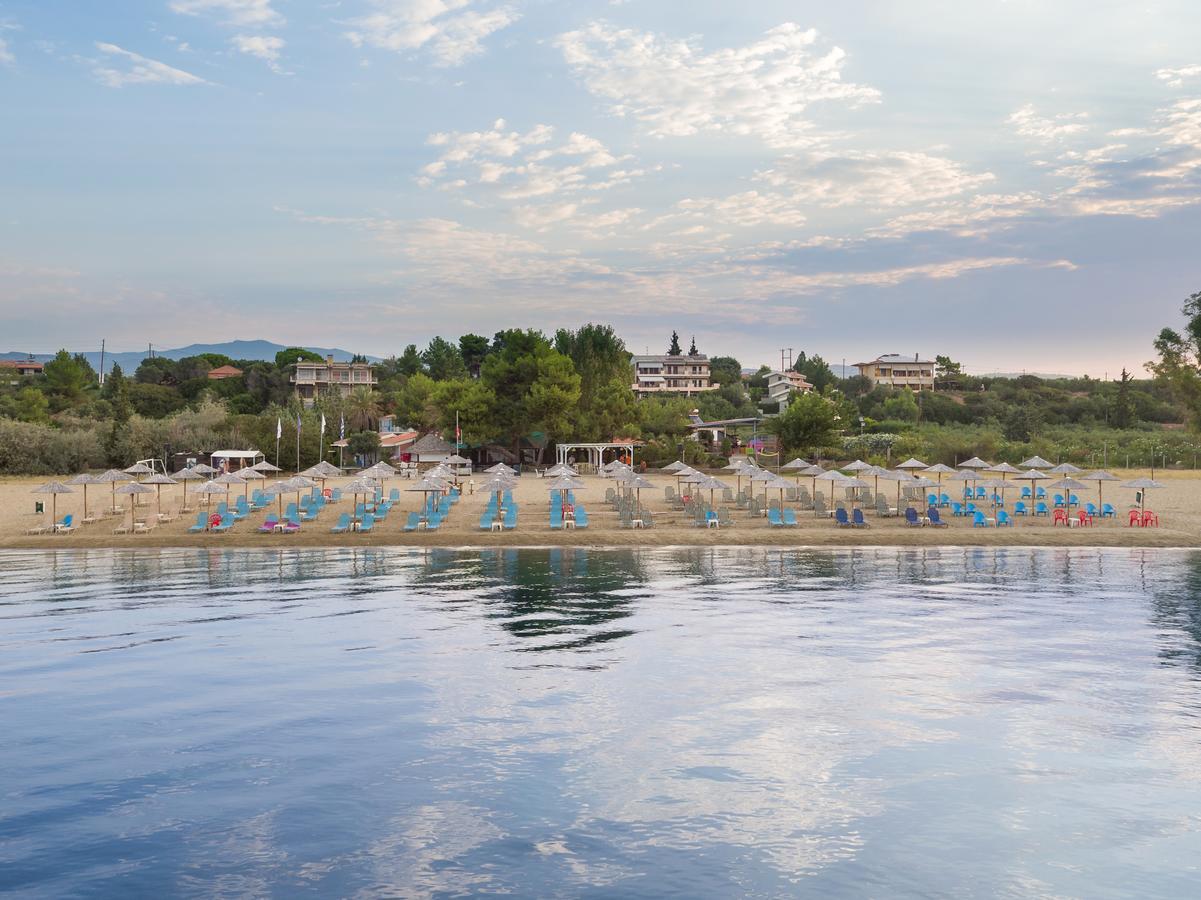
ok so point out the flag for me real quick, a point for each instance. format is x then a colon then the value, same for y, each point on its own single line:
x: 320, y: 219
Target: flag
x: 298, y: 423
x: 458, y: 436
x: 342, y: 429
x: 279, y: 428
x: 323, y: 424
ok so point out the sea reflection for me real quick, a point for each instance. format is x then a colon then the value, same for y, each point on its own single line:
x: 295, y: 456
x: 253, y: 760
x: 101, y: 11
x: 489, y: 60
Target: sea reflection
x: 694, y: 721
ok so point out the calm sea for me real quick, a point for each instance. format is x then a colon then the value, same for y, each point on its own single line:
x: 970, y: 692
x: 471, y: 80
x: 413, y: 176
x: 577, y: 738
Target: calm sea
x: 569, y: 723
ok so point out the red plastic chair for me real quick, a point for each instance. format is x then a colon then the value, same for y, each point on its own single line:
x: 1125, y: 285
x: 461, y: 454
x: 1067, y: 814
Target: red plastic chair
x: 1085, y: 518
x: 1135, y: 518
x: 1059, y: 517
x: 214, y: 521
x: 1150, y: 518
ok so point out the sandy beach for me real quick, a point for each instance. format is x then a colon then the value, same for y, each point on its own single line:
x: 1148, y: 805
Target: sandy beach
x: 1178, y: 505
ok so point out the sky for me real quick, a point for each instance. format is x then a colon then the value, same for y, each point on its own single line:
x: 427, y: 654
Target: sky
x: 1013, y: 183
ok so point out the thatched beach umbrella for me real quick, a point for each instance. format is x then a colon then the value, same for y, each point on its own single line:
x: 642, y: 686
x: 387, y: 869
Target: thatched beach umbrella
x: 834, y: 477
x: 674, y: 467
x: 856, y: 484
x: 265, y: 467
x: 1066, y: 469
x: 83, y: 479
x: 1036, y: 462
x: 1033, y: 476
x: 357, y: 487
x: 205, y: 469
x: 183, y: 476
x: 939, y: 469
x: 1003, y: 469
x: 975, y: 463
x: 1067, y: 485
x: 500, y: 468
x: 913, y: 464
x: 53, y: 488
x: 138, y: 469
x: 113, y: 477
x: 857, y: 466
x: 133, y: 489
x: 924, y: 483
x: 993, y: 485
x: 740, y: 467
x: 227, y: 479
x: 158, y: 480
x: 968, y: 476
x: 1100, y: 476
x: 1142, y: 485
x: 248, y: 475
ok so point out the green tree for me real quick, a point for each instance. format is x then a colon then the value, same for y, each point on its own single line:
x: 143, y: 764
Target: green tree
x: 473, y: 401
x: 415, y: 405
x: 816, y: 371
x: 673, y: 349
x: 288, y: 357
x: 945, y: 367
x: 409, y: 362
x: 725, y: 370
x: 1123, y: 407
x: 362, y: 408
x: 535, y: 386
x: 809, y: 423
x: 1021, y: 423
x: 116, y: 385
x: 66, y: 379
x: 443, y: 361
x: 154, y: 401
x: 473, y: 348
x: 1179, y: 362
x: 155, y: 370
x: 692, y: 351
x: 902, y: 407
x: 30, y: 405
x: 364, y: 444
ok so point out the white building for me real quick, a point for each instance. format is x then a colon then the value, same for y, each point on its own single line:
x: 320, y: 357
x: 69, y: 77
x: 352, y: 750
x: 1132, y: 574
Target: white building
x: 780, y: 387
x: 894, y: 370
x: 684, y: 374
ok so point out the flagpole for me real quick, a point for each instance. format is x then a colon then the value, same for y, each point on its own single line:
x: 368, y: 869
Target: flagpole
x: 321, y: 441
x: 279, y: 428
x: 298, y: 443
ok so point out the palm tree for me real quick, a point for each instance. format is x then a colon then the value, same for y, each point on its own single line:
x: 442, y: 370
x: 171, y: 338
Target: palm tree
x: 362, y: 408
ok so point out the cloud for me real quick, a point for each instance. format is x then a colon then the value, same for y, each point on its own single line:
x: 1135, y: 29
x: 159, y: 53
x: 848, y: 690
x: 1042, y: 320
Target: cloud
x: 451, y: 30
x: 1029, y: 124
x: 878, y: 180
x: 6, y: 55
x: 242, y: 13
x: 520, y: 166
x: 674, y: 88
x: 1176, y: 77
x: 265, y: 47
x: 137, y: 69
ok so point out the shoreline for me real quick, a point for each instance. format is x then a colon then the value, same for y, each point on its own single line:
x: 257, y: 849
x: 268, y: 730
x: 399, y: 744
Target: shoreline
x: 1117, y: 537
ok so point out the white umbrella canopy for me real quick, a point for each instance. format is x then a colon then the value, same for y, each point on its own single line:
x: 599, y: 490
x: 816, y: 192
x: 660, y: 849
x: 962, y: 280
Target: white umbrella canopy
x: 1036, y: 462
x: 53, y: 488
x: 1142, y: 485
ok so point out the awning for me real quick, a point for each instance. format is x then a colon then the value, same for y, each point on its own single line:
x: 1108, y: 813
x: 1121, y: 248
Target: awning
x: 235, y: 454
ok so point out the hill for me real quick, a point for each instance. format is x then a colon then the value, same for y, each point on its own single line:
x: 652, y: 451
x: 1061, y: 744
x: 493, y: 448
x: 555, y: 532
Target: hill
x: 130, y: 360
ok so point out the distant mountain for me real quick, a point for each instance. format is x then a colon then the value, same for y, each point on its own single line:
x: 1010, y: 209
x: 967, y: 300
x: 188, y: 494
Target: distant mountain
x: 254, y: 350
x: 1045, y: 376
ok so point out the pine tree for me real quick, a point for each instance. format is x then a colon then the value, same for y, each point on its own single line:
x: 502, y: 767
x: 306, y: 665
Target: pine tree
x: 674, y: 349
x: 1123, y: 408
x: 692, y: 347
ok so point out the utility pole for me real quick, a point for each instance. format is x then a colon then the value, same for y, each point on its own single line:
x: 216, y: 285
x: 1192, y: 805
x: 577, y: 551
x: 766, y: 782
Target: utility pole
x: 102, y: 362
